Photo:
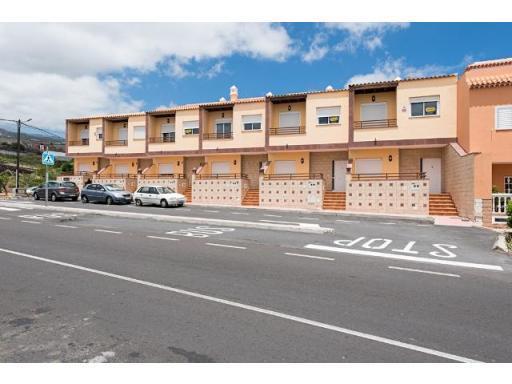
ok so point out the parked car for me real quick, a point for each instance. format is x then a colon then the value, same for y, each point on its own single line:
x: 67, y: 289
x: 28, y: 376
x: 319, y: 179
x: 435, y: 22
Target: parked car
x: 57, y: 190
x: 105, y: 193
x: 158, y: 195
x: 30, y: 191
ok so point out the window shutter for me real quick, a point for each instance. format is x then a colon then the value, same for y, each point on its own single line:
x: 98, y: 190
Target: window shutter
x: 504, y: 117
x: 167, y: 128
x: 139, y: 132
x: 289, y: 119
x: 191, y: 124
x: 247, y: 119
x: 374, y: 111
x: 165, y: 169
x: 123, y: 133
x: 328, y: 111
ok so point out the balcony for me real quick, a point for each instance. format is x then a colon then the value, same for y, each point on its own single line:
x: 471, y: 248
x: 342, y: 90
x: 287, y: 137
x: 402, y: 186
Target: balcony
x: 217, y: 135
x: 162, y: 176
x: 82, y: 142
x: 170, y: 138
x: 210, y: 176
x: 294, y: 176
x: 386, y: 123
x: 499, y: 207
x: 116, y: 143
x: 300, y: 130
x: 388, y: 176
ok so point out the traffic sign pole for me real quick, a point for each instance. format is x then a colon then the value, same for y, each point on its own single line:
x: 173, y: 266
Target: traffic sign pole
x: 46, y: 187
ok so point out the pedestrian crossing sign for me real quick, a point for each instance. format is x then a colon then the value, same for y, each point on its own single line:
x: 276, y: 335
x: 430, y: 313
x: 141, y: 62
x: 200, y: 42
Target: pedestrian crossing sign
x: 48, y: 158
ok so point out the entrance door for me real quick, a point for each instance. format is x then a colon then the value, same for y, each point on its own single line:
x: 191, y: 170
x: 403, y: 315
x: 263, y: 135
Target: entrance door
x: 432, y: 168
x: 340, y: 169
x: 284, y: 167
x: 366, y: 166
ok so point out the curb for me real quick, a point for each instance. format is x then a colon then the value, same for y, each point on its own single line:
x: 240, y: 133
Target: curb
x: 302, y: 228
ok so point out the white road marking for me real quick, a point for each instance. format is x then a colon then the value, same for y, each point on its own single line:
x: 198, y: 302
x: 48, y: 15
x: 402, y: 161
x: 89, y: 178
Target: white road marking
x: 268, y: 215
x: 383, y: 223
x: 348, y: 221
x: 309, y: 256
x: 252, y: 308
x: 280, y: 222
x: 209, y: 210
x: 30, y: 222
x: 309, y: 218
x: 239, y: 213
x: 65, y: 226
x: 403, y: 257
x: 9, y: 209
x: 107, y: 231
x: 424, y: 271
x: 423, y: 225
x: 225, y: 245
x: 5, y: 218
x: 163, y: 238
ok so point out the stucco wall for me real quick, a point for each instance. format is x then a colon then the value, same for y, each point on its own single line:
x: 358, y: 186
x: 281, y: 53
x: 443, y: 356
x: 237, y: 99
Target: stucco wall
x: 499, y: 171
x: 235, y: 163
x: 378, y: 153
x: 307, y: 194
x: 134, y: 146
x: 295, y: 156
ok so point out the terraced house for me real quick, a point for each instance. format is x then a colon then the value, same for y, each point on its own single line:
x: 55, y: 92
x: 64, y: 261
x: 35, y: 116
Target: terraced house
x: 392, y: 146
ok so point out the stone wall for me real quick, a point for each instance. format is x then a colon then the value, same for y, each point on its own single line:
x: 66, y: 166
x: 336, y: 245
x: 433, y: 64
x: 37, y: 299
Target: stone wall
x: 322, y: 162
x: 410, y: 159
x: 292, y: 193
x: 458, y: 175
x: 220, y: 191
x: 178, y: 185
x: 388, y: 196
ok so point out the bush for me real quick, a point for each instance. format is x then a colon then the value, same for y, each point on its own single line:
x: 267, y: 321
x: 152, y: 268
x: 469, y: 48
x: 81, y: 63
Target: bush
x: 509, y: 213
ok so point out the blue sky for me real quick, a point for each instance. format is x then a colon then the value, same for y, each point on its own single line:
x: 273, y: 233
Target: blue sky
x: 51, y: 72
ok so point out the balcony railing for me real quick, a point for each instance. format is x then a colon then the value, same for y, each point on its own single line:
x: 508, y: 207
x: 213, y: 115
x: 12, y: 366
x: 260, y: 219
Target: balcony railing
x: 294, y: 176
x: 217, y: 135
x: 117, y: 176
x: 386, y: 123
x: 221, y: 176
x: 164, y: 176
x: 389, y: 176
x: 116, y: 143
x: 499, y: 203
x: 171, y: 138
x: 300, y: 130
x: 78, y: 142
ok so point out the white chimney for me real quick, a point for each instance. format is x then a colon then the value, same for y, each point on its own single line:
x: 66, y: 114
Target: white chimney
x: 233, y: 93
x: 222, y: 99
x: 269, y: 94
x: 329, y: 88
x: 398, y: 78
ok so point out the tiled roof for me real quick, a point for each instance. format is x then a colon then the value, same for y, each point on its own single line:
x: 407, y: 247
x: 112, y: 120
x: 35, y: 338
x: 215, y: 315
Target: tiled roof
x: 489, y: 81
x: 489, y: 63
x: 291, y: 94
x: 113, y: 116
x: 391, y: 82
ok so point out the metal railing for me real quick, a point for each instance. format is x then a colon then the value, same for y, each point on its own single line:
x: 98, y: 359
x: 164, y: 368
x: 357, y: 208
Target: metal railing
x: 389, y: 176
x: 300, y: 130
x: 499, y: 203
x: 116, y: 143
x: 78, y: 142
x: 221, y: 176
x: 294, y: 176
x: 117, y: 176
x: 386, y: 123
x: 171, y: 138
x: 164, y: 176
x: 217, y: 135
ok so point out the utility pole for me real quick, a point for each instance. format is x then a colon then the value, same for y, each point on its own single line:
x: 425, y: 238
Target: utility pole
x: 18, y: 142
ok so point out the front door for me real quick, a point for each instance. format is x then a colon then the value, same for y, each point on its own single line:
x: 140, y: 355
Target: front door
x: 432, y: 169
x: 340, y: 169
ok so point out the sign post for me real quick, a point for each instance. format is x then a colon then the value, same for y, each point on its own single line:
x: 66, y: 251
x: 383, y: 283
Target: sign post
x: 47, y: 159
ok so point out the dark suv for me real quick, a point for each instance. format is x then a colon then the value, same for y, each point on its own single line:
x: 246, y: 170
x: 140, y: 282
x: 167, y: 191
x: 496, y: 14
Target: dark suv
x: 57, y: 190
x: 105, y: 193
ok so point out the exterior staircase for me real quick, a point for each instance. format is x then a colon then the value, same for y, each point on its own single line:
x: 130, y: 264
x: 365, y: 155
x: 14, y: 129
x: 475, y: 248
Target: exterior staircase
x: 334, y: 200
x: 188, y: 194
x: 441, y: 204
x: 252, y: 197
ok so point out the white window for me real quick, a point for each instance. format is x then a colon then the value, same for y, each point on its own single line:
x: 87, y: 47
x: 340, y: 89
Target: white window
x: 220, y: 167
x: 122, y: 169
x: 139, y: 133
x: 504, y: 117
x: 223, y: 127
x: 123, y: 133
x: 328, y: 115
x: 424, y: 106
x: 508, y: 184
x: 165, y: 169
x: 289, y: 119
x: 251, y: 122
x: 374, y: 111
x: 285, y: 167
x: 368, y: 166
x: 84, y: 167
x: 167, y: 132
x: 84, y: 133
x: 191, y: 127
x: 99, y: 133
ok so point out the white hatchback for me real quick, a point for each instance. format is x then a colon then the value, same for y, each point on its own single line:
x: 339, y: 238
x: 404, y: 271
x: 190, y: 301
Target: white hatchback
x: 158, y: 195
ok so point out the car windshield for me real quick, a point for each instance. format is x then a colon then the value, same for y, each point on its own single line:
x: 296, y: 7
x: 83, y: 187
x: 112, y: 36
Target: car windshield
x: 112, y: 187
x: 164, y: 190
x: 69, y: 184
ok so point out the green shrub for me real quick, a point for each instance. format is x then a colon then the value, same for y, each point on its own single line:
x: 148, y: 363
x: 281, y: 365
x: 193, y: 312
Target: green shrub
x: 509, y: 213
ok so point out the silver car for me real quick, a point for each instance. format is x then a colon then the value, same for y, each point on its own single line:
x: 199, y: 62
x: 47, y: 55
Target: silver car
x: 158, y: 195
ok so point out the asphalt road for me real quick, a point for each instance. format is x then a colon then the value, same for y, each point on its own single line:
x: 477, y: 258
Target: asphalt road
x: 91, y: 288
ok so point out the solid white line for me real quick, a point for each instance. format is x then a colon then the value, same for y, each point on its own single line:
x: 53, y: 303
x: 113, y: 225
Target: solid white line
x: 252, y: 308
x: 387, y: 223
x: 225, y: 245
x: 272, y: 216
x: 163, y: 238
x: 65, y: 226
x: 309, y: 256
x: 280, y: 222
x: 208, y: 210
x: 239, y: 213
x: 348, y: 221
x: 310, y: 218
x: 9, y: 209
x: 424, y: 271
x: 5, y: 218
x: 402, y: 257
x: 30, y: 222
x: 107, y: 231
x: 423, y: 225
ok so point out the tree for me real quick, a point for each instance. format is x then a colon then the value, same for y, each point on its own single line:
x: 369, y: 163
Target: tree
x: 5, y: 181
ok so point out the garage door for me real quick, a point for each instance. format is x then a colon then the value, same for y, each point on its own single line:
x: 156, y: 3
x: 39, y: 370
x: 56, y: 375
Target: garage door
x: 285, y: 166
x: 220, y: 167
x: 368, y: 166
x: 84, y: 168
x: 122, y: 169
x: 165, y: 169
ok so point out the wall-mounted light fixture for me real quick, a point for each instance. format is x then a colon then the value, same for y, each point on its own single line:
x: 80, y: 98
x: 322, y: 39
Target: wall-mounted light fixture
x: 93, y: 163
x: 289, y: 107
x: 133, y: 164
x: 234, y: 162
x: 302, y: 160
x: 168, y: 120
x: 222, y: 114
x: 390, y: 158
x: 178, y: 163
x: 373, y: 98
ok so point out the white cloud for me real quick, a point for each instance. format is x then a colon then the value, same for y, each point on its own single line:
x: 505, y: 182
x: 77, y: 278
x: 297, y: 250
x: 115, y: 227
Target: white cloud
x: 50, y: 71
x: 318, y: 48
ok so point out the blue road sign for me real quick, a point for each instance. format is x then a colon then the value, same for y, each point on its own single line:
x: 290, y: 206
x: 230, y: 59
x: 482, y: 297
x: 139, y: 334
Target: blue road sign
x: 48, y: 158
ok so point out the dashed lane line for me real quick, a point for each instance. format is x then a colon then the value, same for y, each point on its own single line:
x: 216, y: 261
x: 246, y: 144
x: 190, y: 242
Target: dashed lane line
x: 225, y: 246
x: 162, y: 238
x: 30, y: 222
x: 65, y: 226
x: 5, y: 218
x: 108, y: 231
x: 309, y: 256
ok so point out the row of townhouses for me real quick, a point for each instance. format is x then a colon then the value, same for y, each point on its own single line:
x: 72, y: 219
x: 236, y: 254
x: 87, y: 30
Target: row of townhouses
x: 439, y: 145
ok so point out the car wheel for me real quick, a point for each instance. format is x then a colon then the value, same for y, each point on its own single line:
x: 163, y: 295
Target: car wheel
x: 163, y: 203
x: 109, y: 200
x: 53, y: 197
x: 138, y: 202
x: 85, y: 200
x: 74, y: 198
x: 36, y: 196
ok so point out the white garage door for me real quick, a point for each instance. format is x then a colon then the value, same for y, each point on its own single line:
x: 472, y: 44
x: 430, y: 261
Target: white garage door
x: 285, y: 166
x: 165, y: 169
x: 122, y: 169
x: 220, y: 167
x: 84, y: 168
x: 368, y: 166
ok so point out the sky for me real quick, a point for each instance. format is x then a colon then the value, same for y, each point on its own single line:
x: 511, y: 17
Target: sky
x: 50, y: 72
